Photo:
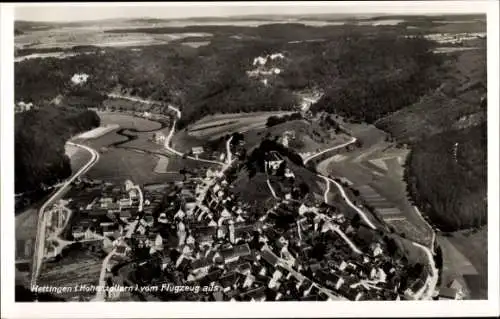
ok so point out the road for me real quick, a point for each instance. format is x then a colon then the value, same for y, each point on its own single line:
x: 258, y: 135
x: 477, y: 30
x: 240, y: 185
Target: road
x: 170, y: 135
x: 352, y: 140
x: 101, y: 293
x: 39, y: 250
x: 433, y: 240
x: 431, y: 282
x: 347, y: 200
x: 271, y: 189
x: 168, y: 141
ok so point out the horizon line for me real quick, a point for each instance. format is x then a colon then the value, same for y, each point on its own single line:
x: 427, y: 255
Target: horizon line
x: 367, y: 15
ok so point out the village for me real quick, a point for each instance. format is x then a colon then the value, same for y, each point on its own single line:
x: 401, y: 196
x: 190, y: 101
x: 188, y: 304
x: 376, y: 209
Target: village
x: 197, y: 232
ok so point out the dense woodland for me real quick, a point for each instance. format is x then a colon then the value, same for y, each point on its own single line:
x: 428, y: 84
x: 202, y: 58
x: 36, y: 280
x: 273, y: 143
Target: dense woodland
x: 40, y: 136
x: 352, y: 65
x: 449, y: 182
x: 378, y: 76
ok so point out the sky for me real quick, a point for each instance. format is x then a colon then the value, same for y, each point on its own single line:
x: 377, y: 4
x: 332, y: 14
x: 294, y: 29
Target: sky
x: 100, y: 11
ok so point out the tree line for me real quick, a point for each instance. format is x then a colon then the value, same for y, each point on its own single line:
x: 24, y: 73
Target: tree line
x: 275, y: 120
x: 40, y: 136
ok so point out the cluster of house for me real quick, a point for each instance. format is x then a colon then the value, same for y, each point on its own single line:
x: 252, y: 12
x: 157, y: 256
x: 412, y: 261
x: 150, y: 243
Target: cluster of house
x: 23, y: 107
x: 356, y: 276
x: 198, y: 233
x: 262, y: 67
x: 219, y: 242
x: 106, y: 210
x: 79, y: 78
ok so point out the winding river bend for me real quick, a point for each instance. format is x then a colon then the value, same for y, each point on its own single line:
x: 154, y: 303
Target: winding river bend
x: 130, y: 133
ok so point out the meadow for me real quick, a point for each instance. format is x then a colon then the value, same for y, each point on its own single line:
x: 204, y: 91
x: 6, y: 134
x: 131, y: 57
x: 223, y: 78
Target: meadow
x: 214, y: 126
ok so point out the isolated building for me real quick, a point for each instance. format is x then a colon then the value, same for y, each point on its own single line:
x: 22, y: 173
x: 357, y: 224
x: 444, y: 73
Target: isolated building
x: 197, y: 150
x: 79, y: 78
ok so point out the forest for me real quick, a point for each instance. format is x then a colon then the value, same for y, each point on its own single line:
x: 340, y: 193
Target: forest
x: 446, y: 177
x: 364, y: 73
x: 377, y: 76
x: 40, y: 136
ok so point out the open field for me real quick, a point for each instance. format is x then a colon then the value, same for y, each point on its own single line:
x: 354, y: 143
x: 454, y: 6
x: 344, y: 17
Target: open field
x: 136, y: 159
x: 25, y: 235
x: 468, y: 256
x: 214, y: 118
x: 98, y: 132
x: 128, y: 121
x: 177, y: 163
x: 184, y: 142
x: 26, y: 223
x: 72, y: 270
x: 197, y: 44
x: 162, y: 165
x: 103, y: 141
x: 376, y: 170
x: 308, y: 137
x: 118, y: 165
x: 57, y: 55
x: 143, y: 140
x: 413, y: 253
x: 116, y: 104
x: 67, y: 37
x: 214, y: 126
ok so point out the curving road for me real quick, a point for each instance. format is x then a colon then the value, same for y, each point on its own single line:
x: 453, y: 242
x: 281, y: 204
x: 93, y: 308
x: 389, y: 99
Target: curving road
x: 348, y: 201
x: 39, y: 250
x: 430, y: 285
x: 352, y: 140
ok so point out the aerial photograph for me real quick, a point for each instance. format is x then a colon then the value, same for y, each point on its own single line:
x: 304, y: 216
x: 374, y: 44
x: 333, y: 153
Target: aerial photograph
x: 246, y: 156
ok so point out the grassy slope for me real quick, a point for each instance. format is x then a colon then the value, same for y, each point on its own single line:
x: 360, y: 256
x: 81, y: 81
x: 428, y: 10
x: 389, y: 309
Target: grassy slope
x: 475, y: 248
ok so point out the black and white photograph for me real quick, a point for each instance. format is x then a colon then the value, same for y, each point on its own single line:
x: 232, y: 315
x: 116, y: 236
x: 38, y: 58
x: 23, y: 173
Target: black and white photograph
x: 188, y: 154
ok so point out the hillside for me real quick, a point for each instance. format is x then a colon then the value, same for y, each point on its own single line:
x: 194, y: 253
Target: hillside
x: 447, y: 178
x: 215, y: 78
x: 40, y: 136
x: 389, y: 73
x: 456, y: 103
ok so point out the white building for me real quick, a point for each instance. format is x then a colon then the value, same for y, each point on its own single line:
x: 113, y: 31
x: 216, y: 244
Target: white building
x: 274, y: 160
x: 197, y: 151
x: 159, y: 138
x: 79, y: 78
